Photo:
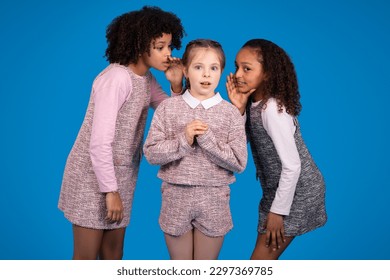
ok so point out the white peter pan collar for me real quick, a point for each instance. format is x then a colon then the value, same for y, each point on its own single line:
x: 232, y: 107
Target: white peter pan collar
x: 207, y: 104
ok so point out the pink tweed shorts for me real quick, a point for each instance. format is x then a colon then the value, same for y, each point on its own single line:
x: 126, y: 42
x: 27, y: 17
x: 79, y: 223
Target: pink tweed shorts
x: 205, y: 208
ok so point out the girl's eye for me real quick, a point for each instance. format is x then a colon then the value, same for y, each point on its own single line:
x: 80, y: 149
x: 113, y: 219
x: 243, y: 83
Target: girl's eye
x: 214, y: 68
x: 159, y: 48
x: 246, y: 69
x: 197, y: 67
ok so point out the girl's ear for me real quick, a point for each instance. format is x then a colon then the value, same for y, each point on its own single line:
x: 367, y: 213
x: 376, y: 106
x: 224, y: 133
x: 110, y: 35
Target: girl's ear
x: 185, y: 72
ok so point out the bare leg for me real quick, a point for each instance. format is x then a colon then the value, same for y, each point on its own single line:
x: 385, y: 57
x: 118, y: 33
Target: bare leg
x: 86, y: 243
x: 180, y: 247
x: 112, y: 244
x: 206, y: 248
x: 263, y: 253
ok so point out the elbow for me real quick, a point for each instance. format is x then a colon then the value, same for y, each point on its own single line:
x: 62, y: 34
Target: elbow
x: 243, y: 162
x: 241, y: 166
x: 99, y: 153
x: 296, y: 168
x: 150, y: 158
x: 147, y: 154
x: 292, y: 169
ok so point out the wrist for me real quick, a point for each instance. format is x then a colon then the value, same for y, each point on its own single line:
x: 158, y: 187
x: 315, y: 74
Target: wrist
x: 177, y: 88
x: 112, y: 192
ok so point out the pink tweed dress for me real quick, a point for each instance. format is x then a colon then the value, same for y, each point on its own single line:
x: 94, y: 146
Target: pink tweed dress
x: 81, y: 200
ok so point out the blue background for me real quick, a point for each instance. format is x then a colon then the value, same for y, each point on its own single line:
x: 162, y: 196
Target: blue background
x: 52, y: 50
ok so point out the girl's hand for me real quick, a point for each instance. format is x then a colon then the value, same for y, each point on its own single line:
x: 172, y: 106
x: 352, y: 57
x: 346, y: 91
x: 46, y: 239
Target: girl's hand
x: 237, y: 98
x: 275, y: 231
x: 174, y: 74
x: 114, y: 207
x: 193, y: 129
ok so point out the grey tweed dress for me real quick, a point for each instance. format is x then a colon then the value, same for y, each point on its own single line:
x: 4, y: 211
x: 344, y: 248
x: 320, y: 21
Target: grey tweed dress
x: 308, y: 207
x: 80, y: 199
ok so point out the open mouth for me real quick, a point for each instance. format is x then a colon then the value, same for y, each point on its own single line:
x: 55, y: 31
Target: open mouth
x: 205, y: 83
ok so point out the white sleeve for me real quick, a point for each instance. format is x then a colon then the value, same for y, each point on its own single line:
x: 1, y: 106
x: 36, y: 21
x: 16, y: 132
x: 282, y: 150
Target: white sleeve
x: 280, y: 127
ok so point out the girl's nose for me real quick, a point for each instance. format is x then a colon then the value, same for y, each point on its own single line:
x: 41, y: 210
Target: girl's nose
x: 238, y: 73
x: 169, y: 52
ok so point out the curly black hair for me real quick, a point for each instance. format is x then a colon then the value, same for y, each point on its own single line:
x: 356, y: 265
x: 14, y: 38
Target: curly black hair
x: 282, y: 83
x: 130, y: 35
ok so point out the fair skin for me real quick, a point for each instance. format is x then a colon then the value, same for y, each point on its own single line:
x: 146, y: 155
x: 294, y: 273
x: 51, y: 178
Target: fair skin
x: 247, y: 82
x: 193, y: 245
x: 108, y: 244
x: 203, y: 72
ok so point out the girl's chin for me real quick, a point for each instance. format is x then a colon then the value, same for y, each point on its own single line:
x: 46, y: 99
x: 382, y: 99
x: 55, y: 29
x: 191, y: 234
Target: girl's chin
x: 161, y: 68
x: 243, y: 90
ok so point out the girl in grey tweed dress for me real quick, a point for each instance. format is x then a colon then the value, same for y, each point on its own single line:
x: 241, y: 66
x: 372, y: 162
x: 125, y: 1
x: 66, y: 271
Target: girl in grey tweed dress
x: 293, y: 200
x: 102, y: 168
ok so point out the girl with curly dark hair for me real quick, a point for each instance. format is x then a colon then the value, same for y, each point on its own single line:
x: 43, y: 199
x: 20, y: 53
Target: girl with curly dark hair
x: 293, y: 201
x: 102, y: 168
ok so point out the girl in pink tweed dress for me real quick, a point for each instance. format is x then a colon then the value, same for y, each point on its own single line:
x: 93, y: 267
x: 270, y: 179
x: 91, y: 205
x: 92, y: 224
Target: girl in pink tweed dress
x: 199, y: 140
x: 102, y: 167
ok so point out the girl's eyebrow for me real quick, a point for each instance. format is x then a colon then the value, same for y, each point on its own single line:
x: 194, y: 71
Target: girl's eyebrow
x: 201, y: 63
x: 160, y: 41
x: 243, y: 63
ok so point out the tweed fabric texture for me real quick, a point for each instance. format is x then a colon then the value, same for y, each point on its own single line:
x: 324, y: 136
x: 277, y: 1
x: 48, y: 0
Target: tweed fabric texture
x: 214, y: 156
x: 308, y: 207
x: 205, y: 208
x: 80, y: 199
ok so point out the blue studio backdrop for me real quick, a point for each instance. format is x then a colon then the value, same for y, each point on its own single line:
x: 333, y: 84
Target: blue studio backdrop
x: 52, y: 50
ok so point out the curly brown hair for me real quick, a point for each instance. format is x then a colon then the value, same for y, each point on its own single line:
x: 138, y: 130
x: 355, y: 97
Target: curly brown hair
x: 130, y: 35
x: 282, y: 81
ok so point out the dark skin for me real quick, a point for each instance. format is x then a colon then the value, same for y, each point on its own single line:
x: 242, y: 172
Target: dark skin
x: 92, y: 244
x: 269, y: 246
x: 263, y: 251
x: 114, y: 207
